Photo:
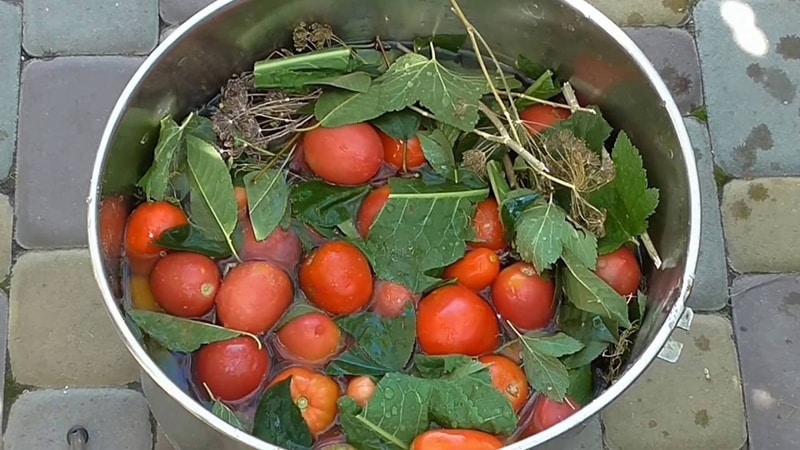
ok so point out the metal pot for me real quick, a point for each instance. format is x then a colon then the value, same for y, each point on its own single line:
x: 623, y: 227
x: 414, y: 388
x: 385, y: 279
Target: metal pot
x: 602, y: 63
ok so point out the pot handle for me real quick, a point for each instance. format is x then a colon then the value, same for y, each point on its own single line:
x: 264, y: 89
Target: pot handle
x: 77, y: 437
x: 671, y: 351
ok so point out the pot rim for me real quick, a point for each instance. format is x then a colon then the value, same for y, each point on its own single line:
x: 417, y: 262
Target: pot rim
x: 146, y: 364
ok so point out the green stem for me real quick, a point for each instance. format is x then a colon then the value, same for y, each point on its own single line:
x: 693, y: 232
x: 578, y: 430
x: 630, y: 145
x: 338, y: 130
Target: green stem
x: 380, y: 432
x: 441, y: 195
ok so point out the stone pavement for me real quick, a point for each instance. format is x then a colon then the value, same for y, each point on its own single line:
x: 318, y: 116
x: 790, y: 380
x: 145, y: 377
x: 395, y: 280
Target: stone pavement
x: 732, y: 64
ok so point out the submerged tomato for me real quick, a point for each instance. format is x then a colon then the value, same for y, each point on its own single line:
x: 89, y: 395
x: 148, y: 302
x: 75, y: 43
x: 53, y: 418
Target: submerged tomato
x: 349, y: 155
x: 241, y: 200
x: 476, y: 270
x: 337, y: 278
x: 489, y: 231
x: 390, y: 299
x: 312, y: 338
x: 141, y: 294
x: 185, y: 284
x: 402, y: 155
x: 524, y: 298
x: 113, y: 216
x: 253, y: 296
x: 456, y: 440
x: 453, y: 319
x: 370, y: 208
x: 548, y: 412
x: 361, y: 389
x: 145, y: 226
x: 232, y: 369
x: 315, y: 395
x: 508, y: 378
x: 538, y: 118
x: 281, y: 247
x: 620, y: 269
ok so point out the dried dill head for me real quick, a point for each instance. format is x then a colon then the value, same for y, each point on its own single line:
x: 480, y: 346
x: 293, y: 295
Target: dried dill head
x: 312, y: 37
x: 475, y: 160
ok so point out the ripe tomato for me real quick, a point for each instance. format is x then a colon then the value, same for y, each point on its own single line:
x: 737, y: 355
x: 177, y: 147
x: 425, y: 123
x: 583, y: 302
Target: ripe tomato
x: 488, y: 227
x: 315, y: 395
x: 456, y: 440
x: 311, y: 338
x: 361, y: 389
x: 390, y: 299
x: 523, y: 297
x: 370, y: 208
x: 141, y: 295
x: 349, y: 155
x: 337, y: 278
x: 253, y: 296
x: 402, y: 155
x: 232, y: 369
x: 185, y: 284
x: 538, y: 118
x: 455, y: 320
x: 548, y: 412
x: 113, y: 216
x: 620, y: 269
x: 281, y: 247
x: 241, y: 200
x: 476, y: 270
x: 145, y: 226
x: 508, y: 378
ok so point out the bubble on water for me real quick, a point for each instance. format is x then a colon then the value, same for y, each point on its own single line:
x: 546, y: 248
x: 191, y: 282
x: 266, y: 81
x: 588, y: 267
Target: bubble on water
x: 389, y: 394
x: 394, y: 410
x: 145, y: 138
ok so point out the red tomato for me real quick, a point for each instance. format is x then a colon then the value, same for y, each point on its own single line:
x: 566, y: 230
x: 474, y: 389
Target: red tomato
x: 488, y: 227
x: 232, y: 369
x: 548, y: 412
x: 315, y: 395
x: 337, y: 278
x: 185, y: 284
x: 455, y: 320
x: 370, y: 208
x: 476, y: 270
x: 390, y: 299
x: 113, y: 216
x: 538, y: 118
x: 402, y: 155
x: 620, y: 269
x: 281, y: 247
x: 241, y: 200
x: 311, y: 338
x: 523, y: 297
x: 361, y: 389
x: 456, y: 440
x: 508, y: 378
x: 253, y: 296
x: 349, y: 155
x: 145, y: 226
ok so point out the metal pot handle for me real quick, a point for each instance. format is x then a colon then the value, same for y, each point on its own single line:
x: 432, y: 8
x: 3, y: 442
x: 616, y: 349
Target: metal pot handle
x: 77, y: 437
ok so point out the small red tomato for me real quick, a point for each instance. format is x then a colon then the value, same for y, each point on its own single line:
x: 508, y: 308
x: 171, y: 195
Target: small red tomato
x: 370, y: 208
x: 361, y: 389
x: 508, y: 378
x: 538, y: 118
x: 311, y: 338
x: 402, y: 155
x: 315, y: 395
x: 523, y: 297
x: 253, y: 296
x: 232, y: 369
x: 548, y: 412
x: 337, y: 278
x: 456, y: 440
x: 281, y: 247
x: 476, y: 270
x: 455, y: 320
x: 390, y: 299
x: 185, y: 284
x: 488, y: 227
x: 145, y: 226
x: 620, y: 269
x: 350, y: 155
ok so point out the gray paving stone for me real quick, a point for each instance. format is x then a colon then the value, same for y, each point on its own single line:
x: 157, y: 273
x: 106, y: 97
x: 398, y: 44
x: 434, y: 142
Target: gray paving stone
x: 710, y: 291
x: 694, y: 404
x: 760, y: 217
x: 6, y: 235
x: 64, y: 106
x: 750, y: 53
x: 116, y: 419
x: 589, y: 438
x: 3, y: 347
x: 10, y: 39
x: 766, y: 311
x: 645, y: 12
x: 165, y: 33
x: 674, y: 55
x: 90, y: 27
x: 59, y: 332
x: 162, y: 441
x: 177, y: 11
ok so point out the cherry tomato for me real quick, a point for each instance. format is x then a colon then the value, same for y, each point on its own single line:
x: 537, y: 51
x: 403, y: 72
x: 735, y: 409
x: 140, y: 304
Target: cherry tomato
x: 311, y: 338
x: 361, y: 389
x: 523, y: 297
x: 241, y: 200
x: 488, y: 227
x: 370, y: 208
x: 456, y: 440
x: 253, y: 296
x: 548, y: 412
x: 402, y: 155
x: 508, y: 378
x: 145, y: 226
x: 232, y: 369
x: 455, y: 320
x: 476, y: 270
x: 315, y: 395
x: 349, y: 155
x: 141, y: 295
x: 113, y: 216
x: 390, y: 299
x: 185, y: 284
x: 620, y: 269
x: 281, y: 247
x: 538, y: 118
x: 337, y: 278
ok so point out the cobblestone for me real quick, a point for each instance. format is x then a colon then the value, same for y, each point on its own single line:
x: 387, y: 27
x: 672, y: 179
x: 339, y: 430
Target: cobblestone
x: 645, y: 12
x: 177, y: 11
x: 589, y: 438
x: 10, y: 39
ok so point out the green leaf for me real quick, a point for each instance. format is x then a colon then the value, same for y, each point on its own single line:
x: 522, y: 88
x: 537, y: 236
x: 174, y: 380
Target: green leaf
x: 191, y: 239
x: 581, y: 247
x: 557, y: 345
x: 156, y: 180
x: 589, y: 293
x: 278, y: 420
x: 382, y: 345
x: 200, y: 127
x: 355, y: 82
x: 583, y: 325
x: 627, y: 200
x: 294, y: 73
x: 337, y: 107
x: 498, y: 182
x: 450, y: 42
x: 543, y: 88
x: 220, y: 410
x: 178, y: 334
x: 529, y: 68
x: 589, y: 353
x: 267, y: 198
x: 641, y: 302
x: 322, y: 205
x: 513, y: 206
x: 445, y: 366
x: 402, y: 125
x: 591, y: 128
x: 439, y: 153
x: 581, y: 385
x: 544, y: 371
x: 542, y: 232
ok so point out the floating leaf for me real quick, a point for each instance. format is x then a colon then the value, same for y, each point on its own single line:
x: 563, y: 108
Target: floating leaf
x: 439, y: 153
x: 589, y: 353
x: 529, y: 68
x: 190, y: 239
x: 200, y: 127
x: 543, y: 234
x: 279, y: 421
x: 178, y: 334
x: 589, y: 293
x: 402, y: 125
x: 338, y: 107
x: 543, y: 88
x: 355, y: 82
x: 592, y: 128
x: 322, y: 205
x: 581, y: 385
x: 156, y: 181
x: 544, y: 371
x: 267, y: 198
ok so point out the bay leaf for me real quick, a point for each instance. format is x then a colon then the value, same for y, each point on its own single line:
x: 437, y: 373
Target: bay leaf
x: 267, y: 199
x: 279, y: 421
x: 178, y: 334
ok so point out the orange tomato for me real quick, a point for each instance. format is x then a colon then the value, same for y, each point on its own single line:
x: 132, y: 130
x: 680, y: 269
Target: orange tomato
x: 402, y: 155
x: 538, y: 118
x: 488, y: 227
x: 337, y: 278
x: 315, y: 395
x: 476, y: 270
x: 370, y: 208
x: 455, y: 320
x: 350, y: 155
x: 312, y: 338
x: 253, y: 296
x: 508, y: 378
x: 456, y: 440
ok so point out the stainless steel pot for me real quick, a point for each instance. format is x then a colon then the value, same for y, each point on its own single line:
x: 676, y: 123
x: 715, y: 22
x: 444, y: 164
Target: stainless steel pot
x: 586, y: 47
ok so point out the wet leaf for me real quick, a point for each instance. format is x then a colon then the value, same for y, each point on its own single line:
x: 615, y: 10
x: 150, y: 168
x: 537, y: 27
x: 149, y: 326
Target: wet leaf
x: 267, y: 199
x: 439, y: 153
x: 450, y: 42
x: 278, y: 419
x: 589, y: 293
x: 190, y: 239
x: 178, y: 334
x: 587, y: 355
x: 581, y: 385
x: 544, y: 371
x: 529, y: 68
x: 220, y: 410
x: 355, y: 82
x: 543, y: 88
x: 338, y: 107
x: 591, y: 128
x: 402, y: 125
x: 156, y: 180
x: 322, y: 205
